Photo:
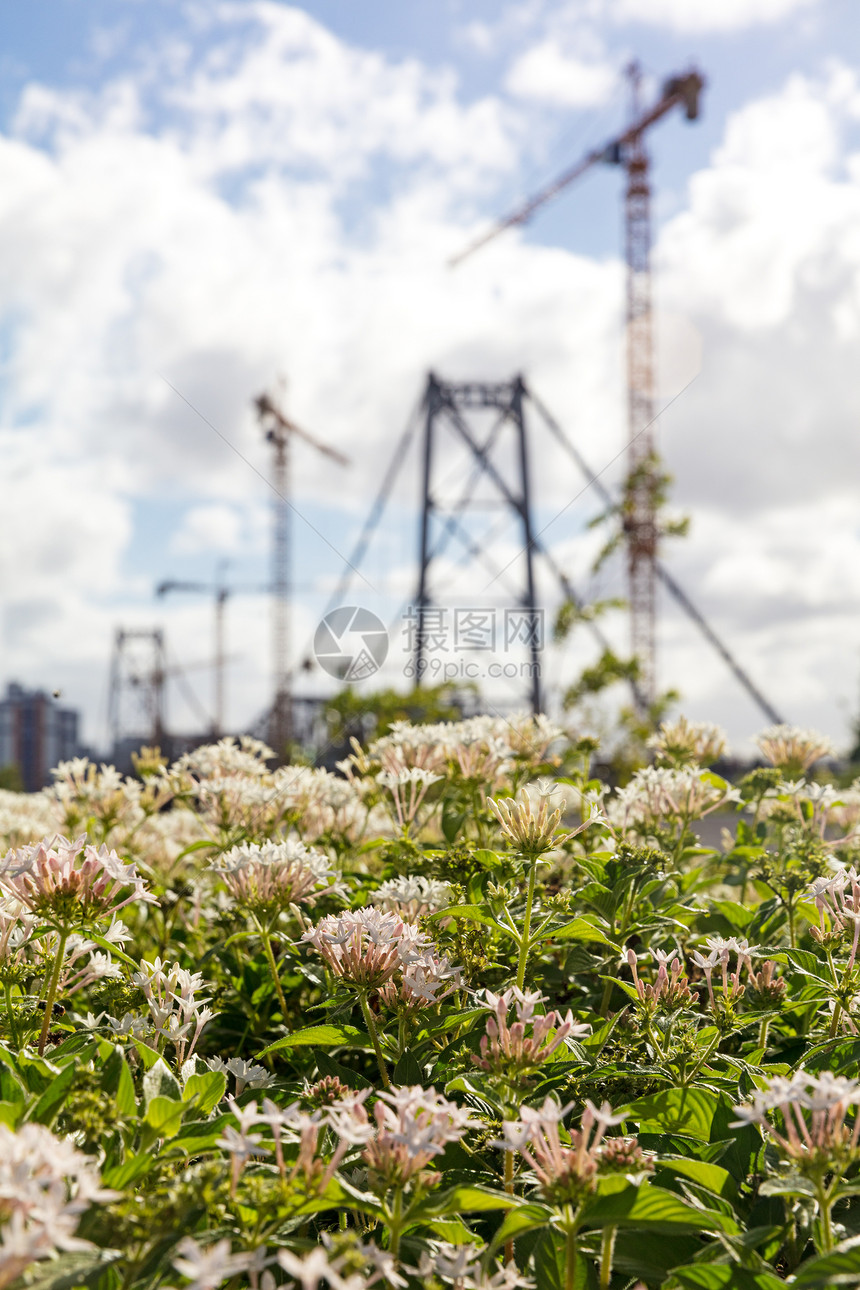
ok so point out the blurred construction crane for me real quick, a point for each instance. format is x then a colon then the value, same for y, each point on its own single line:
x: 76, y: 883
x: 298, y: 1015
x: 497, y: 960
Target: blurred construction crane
x: 220, y: 591
x: 639, y: 519
x: 278, y: 430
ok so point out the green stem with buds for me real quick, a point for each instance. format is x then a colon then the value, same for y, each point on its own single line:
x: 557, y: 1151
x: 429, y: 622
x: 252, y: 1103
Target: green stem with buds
x: 374, y: 1036
x: 52, y: 989
x: 527, y: 922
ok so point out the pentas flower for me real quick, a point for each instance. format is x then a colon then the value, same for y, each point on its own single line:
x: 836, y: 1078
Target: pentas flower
x: 408, y: 788
x: 670, y: 990
x: 567, y: 1173
x: 533, y: 833
x: 720, y: 952
x: 461, y: 1266
x: 70, y: 884
x: 815, y: 1136
x: 426, y: 979
x: 274, y: 875
x: 413, y: 895
x: 659, y: 793
x: 45, y: 1186
x: 792, y: 749
x: 684, y: 742
x: 209, y: 1267
x: 177, y: 1013
x: 839, y: 898
x: 365, y: 947
x: 518, y: 1048
x: 413, y: 1126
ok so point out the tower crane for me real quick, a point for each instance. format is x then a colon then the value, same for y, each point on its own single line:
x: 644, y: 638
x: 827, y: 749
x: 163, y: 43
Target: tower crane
x: 279, y: 429
x: 221, y: 592
x: 640, y: 526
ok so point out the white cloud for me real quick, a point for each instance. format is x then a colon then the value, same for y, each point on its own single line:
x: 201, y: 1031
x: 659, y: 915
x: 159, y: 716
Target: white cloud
x: 706, y: 15
x: 288, y: 203
x: 546, y: 73
x: 211, y: 528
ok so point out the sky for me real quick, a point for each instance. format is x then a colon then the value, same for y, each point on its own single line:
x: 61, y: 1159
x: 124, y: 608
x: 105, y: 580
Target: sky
x: 203, y: 201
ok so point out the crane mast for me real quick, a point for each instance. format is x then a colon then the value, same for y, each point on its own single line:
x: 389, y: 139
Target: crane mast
x: 640, y: 518
x: 639, y: 507
x: 279, y: 429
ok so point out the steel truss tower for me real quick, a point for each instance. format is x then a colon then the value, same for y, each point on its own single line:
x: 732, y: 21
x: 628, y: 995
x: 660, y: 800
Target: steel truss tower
x: 137, y: 675
x: 447, y: 406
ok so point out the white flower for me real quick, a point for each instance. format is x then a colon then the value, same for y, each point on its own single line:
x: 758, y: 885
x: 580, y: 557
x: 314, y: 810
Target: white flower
x: 208, y: 1268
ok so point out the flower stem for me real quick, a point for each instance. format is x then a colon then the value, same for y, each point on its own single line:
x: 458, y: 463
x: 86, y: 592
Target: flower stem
x: 570, y: 1251
x: 509, y: 1188
x: 607, y: 1253
x: 527, y: 922
x: 279, y: 989
x: 52, y: 990
x: 374, y: 1035
x: 824, y: 1204
x: 13, y: 1029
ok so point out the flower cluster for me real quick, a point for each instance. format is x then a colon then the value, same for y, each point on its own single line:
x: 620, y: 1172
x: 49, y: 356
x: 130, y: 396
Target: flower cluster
x: 413, y: 896
x: 658, y: 794
x: 71, y: 884
x: 45, y: 1186
x: 567, y: 1173
x: 533, y: 832
x: 366, y: 947
x: 517, y: 1049
x: 413, y: 1126
x: 839, y: 898
x: 269, y: 877
x: 719, y: 955
x: 815, y: 1135
x: 683, y: 743
x: 177, y: 1013
x: 794, y: 750
x: 670, y: 990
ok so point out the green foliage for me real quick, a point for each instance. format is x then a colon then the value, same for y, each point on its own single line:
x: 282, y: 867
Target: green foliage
x: 390, y: 1089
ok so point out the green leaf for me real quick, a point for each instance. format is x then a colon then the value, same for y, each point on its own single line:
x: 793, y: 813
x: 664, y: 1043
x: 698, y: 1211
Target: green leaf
x: 53, y: 1097
x: 70, y: 1270
x: 525, y: 1218
x: 838, y: 1268
x: 718, y: 1276
x: 113, y: 950
x: 159, y: 1081
x: 121, y: 1176
x: 335, y: 1036
x: 469, y: 1198
x: 653, y: 1208
x: 676, y: 1110
x: 10, y: 1113
x: 550, y: 1257
x: 407, y: 1070
x: 712, y: 1177
x: 580, y: 929
x: 118, y: 1083
x: 471, y: 914
x: 208, y: 1089
x: 326, y: 1065
x: 164, y: 1115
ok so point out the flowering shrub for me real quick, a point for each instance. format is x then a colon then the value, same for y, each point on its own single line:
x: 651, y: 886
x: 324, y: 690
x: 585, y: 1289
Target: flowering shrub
x: 458, y: 1015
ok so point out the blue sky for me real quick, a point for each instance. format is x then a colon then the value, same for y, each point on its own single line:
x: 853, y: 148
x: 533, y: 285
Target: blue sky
x: 209, y: 196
